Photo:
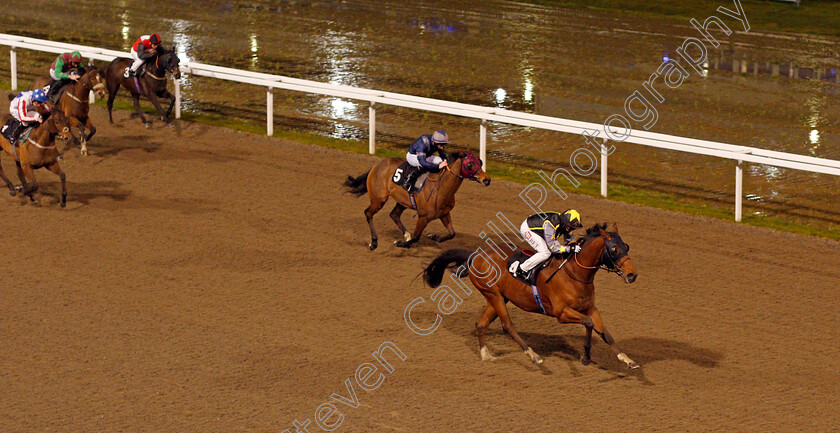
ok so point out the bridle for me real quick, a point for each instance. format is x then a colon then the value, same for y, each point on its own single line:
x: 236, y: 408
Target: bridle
x: 616, y: 267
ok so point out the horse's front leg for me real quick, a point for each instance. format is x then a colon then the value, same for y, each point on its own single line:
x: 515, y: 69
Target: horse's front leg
x: 447, y: 222
x: 75, y: 123
x: 88, y: 125
x: 422, y: 221
x: 567, y: 315
x: 32, y: 187
x: 156, y: 102
x: 55, y: 168
x: 598, y: 324
x: 9, y: 183
x: 136, y: 98
x: 167, y: 94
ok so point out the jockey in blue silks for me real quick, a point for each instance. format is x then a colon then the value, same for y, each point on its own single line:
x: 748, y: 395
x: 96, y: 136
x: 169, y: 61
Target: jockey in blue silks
x: 421, y: 154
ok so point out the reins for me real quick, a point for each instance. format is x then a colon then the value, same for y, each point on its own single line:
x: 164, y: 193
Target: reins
x: 615, y: 268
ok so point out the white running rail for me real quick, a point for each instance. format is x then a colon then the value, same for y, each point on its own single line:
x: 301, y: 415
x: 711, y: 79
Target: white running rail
x: 739, y: 154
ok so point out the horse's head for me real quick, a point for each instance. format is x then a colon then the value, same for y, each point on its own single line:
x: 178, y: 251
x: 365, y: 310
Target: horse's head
x: 170, y: 62
x: 94, y: 80
x: 468, y: 166
x: 614, y: 252
x: 59, y: 124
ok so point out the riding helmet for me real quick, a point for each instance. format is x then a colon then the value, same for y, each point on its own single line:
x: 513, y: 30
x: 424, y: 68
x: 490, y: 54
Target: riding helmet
x: 154, y: 38
x: 571, y: 220
x: 39, y: 95
x: 440, y: 137
x: 76, y: 57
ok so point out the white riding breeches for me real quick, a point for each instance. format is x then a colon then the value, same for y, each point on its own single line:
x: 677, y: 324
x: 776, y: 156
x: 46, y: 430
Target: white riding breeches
x: 414, y: 162
x: 537, y: 243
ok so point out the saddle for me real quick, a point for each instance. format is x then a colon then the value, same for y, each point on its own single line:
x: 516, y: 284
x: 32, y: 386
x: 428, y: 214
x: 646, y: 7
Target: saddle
x: 520, y: 257
x: 407, y: 171
x: 14, y: 129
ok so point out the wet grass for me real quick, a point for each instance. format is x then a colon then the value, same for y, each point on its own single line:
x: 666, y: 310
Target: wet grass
x: 509, y: 171
x: 819, y: 17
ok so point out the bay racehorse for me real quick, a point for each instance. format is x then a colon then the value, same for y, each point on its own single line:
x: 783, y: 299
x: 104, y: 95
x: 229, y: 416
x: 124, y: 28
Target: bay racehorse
x: 73, y: 102
x: 151, y: 85
x: 37, y: 151
x: 567, y: 295
x: 434, y: 201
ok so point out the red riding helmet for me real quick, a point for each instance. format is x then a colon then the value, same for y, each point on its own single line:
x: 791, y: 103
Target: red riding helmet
x: 154, y: 38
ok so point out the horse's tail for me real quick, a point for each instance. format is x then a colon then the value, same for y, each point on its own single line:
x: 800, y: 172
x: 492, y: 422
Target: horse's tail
x: 452, y: 259
x: 357, y: 185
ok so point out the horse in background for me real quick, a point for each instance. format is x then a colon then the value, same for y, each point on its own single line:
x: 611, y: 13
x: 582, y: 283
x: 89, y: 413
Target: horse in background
x: 150, y: 84
x: 72, y: 100
x: 434, y: 201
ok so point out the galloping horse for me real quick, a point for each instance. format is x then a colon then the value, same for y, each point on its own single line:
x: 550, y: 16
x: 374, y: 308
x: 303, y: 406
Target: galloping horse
x: 39, y: 150
x: 568, y: 296
x: 435, y: 201
x: 73, y: 102
x: 152, y: 84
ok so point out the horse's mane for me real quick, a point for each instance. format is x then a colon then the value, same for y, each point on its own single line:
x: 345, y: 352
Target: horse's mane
x: 592, y: 232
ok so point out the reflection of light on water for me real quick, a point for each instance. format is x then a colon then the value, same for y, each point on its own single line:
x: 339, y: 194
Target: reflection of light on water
x: 342, y: 109
x: 754, y: 197
x: 254, y: 47
x: 182, y: 41
x: 126, y: 32
x: 500, y: 96
x: 528, y: 95
x: 815, y: 136
x: 766, y: 171
x: 340, y: 60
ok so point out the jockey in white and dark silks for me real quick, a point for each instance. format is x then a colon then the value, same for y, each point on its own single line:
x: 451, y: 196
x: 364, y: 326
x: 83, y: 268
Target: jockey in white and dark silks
x: 548, y: 233
x: 63, y: 70
x: 143, y: 49
x: 24, y: 110
x: 421, y: 154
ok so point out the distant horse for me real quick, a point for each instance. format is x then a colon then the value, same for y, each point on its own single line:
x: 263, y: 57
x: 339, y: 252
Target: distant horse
x: 435, y: 201
x: 568, y: 296
x: 73, y: 102
x: 152, y: 83
x: 39, y: 150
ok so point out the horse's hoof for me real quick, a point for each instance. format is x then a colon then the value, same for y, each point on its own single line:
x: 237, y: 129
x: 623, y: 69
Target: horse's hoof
x: 148, y: 125
x: 402, y: 244
x: 373, y: 245
x: 534, y: 357
x: 486, y: 356
x: 585, y: 361
x: 632, y: 366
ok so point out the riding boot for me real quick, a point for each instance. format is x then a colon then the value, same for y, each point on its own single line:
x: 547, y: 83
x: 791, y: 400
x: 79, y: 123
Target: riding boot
x: 408, y: 184
x: 18, y: 129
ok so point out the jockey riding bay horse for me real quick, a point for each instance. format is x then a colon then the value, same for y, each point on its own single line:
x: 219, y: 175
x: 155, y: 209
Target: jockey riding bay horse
x: 567, y: 294
x: 73, y: 102
x: 36, y: 151
x: 434, y: 201
x: 151, y: 83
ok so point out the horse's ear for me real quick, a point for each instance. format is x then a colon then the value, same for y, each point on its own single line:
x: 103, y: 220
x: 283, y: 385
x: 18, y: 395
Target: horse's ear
x: 615, y: 228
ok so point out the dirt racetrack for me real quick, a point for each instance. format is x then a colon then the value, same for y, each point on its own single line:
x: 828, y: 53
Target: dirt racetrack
x: 205, y: 280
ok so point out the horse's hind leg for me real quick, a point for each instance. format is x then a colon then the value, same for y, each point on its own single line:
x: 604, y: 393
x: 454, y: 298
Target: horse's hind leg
x: 136, y: 98
x: 447, y: 222
x: 395, y: 215
x: 112, y: 94
x: 498, y: 303
x: 55, y: 168
x: 487, y: 317
x: 88, y: 125
x: 375, y: 206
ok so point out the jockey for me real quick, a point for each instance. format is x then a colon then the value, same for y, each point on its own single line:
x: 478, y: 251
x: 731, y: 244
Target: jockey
x: 421, y: 155
x: 143, y: 49
x: 544, y: 233
x: 24, y: 110
x: 63, y: 70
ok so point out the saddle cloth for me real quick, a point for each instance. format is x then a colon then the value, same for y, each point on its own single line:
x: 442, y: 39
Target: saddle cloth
x: 403, y: 170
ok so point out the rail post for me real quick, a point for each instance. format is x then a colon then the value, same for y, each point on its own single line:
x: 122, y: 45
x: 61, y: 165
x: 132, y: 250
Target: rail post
x: 177, y: 99
x: 269, y: 102
x: 91, y: 95
x: 739, y: 187
x: 13, y: 54
x: 372, y: 128
x: 604, y: 168
x: 482, y: 143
